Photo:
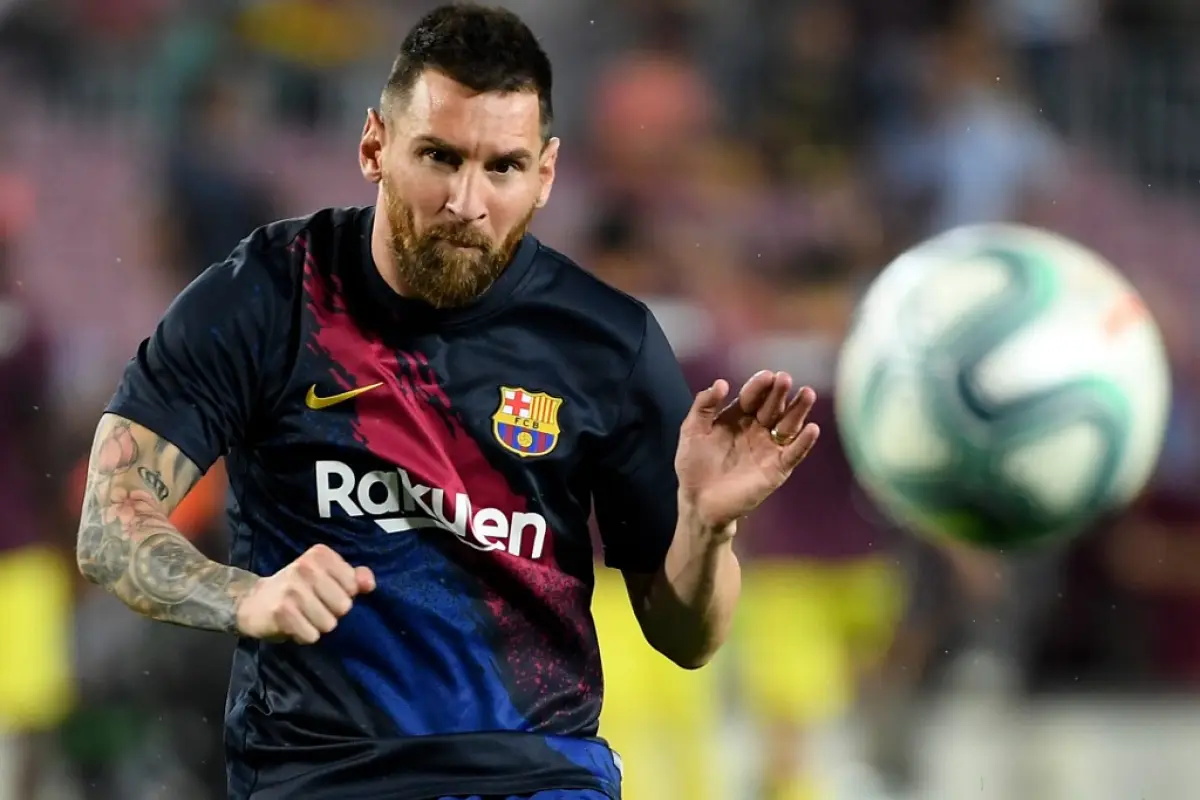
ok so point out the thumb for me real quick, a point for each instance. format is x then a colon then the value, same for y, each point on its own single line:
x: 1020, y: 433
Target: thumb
x: 707, y: 405
x: 365, y: 579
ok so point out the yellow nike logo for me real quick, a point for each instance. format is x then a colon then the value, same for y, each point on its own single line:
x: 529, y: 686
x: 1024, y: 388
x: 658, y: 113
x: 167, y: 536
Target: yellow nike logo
x: 317, y: 403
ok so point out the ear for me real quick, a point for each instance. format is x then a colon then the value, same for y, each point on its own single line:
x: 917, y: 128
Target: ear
x: 546, y: 166
x: 370, y: 148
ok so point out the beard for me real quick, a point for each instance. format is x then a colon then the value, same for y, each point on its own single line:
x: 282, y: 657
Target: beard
x: 448, y: 265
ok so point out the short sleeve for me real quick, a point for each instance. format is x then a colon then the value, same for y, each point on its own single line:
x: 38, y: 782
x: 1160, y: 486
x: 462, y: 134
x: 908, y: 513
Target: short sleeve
x: 635, y: 491
x: 202, y: 375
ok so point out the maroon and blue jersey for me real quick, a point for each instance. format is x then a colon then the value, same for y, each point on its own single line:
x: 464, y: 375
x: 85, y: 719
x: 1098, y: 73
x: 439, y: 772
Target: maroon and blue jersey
x: 458, y: 454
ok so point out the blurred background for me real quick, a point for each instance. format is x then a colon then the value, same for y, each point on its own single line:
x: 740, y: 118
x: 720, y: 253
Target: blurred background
x: 743, y: 167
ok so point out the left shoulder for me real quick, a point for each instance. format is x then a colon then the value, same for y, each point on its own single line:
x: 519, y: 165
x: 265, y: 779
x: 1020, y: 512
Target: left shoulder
x: 561, y: 281
x: 686, y: 326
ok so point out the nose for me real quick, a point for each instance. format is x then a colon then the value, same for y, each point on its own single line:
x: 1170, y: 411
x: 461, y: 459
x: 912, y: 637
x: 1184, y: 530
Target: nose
x: 466, y: 201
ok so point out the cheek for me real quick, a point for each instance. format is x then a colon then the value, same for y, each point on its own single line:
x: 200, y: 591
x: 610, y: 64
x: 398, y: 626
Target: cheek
x: 511, y: 204
x: 424, y: 192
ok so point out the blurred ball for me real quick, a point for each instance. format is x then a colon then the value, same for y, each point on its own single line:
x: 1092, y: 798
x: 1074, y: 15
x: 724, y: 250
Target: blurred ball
x: 1002, y: 386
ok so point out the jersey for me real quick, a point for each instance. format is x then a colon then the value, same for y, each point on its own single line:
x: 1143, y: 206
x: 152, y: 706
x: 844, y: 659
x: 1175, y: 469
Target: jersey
x: 456, y: 453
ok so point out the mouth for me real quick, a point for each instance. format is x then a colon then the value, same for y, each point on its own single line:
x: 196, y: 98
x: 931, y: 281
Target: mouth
x: 460, y: 245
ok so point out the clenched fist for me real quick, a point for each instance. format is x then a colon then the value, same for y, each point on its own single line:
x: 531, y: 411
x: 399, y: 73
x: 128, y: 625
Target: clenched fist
x: 305, y: 599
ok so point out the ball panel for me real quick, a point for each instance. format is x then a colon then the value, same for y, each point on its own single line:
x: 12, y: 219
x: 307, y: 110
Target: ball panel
x: 1060, y: 468
x: 903, y: 436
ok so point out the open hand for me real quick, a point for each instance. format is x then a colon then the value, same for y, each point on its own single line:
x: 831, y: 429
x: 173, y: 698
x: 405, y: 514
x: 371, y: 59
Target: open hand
x: 732, y: 457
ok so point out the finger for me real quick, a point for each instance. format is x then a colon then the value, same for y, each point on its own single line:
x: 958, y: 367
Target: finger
x: 791, y: 421
x: 292, y: 623
x: 776, y: 402
x: 319, y: 553
x: 706, y: 406
x: 341, y: 573
x: 324, y: 560
x: 798, y: 449
x: 333, y: 595
x: 365, y: 579
x: 305, y: 598
x: 750, y: 397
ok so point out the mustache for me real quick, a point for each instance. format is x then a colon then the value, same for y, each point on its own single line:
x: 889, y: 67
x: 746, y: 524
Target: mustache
x: 460, y: 236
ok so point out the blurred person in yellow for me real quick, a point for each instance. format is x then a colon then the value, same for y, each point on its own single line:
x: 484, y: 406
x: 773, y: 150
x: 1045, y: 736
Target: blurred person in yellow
x: 822, y: 593
x: 661, y: 721
x: 35, y: 576
x: 664, y: 722
x: 307, y: 42
x: 315, y: 33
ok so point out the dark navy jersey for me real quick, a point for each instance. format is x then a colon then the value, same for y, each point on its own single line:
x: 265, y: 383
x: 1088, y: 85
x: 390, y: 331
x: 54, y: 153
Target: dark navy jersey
x: 455, y: 453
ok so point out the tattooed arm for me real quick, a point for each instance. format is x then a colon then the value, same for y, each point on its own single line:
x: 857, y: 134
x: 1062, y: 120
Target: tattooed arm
x: 127, y: 543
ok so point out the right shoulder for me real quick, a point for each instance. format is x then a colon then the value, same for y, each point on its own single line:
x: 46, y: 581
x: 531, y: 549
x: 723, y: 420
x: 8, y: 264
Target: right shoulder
x: 217, y: 364
x: 267, y: 267
x: 279, y: 249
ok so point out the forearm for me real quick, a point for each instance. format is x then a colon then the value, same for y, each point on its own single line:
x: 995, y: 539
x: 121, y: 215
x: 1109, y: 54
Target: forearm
x: 157, y: 572
x: 128, y: 545
x: 691, y: 603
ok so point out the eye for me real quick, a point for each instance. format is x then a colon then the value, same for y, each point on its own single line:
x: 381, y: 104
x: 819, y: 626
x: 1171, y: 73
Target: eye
x: 439, y: 155
x: 506, y: 166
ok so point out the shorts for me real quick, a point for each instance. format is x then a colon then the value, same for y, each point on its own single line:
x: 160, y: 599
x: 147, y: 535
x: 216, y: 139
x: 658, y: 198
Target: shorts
x: 808, y: 630
x: 640, y: 682
x: 662, y: 720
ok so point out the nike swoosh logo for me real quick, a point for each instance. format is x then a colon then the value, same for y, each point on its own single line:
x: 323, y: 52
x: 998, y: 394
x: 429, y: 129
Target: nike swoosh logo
x: 318, y: 403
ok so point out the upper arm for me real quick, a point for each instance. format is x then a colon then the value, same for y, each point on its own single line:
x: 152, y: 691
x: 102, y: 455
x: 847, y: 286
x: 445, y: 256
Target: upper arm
x: 135, y: 479
x: 127, y: 543
x: 636, y: 488
x: 150, y: 473
x: 200, y: 379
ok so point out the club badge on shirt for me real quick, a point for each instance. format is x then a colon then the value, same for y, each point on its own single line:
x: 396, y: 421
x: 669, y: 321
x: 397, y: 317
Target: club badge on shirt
x: 526, y: 423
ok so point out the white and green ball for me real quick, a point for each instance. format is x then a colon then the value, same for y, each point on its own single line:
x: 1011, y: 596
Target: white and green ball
x: 1002, y: 385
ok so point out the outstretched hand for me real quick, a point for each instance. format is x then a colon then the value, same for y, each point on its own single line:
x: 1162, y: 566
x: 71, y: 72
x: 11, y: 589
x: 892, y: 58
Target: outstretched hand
x: 733, y: 455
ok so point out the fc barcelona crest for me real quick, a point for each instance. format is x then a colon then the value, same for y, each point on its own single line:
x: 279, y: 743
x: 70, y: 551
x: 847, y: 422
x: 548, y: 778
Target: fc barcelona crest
x: 526, y: 422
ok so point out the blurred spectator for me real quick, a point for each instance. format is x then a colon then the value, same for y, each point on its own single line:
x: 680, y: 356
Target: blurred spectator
x: 807, y: 118
x: 1154, y: 551
x: 305, y: 43
x: 35, y: 43
x: 35, y: 587
x: 652, y: 111
x: 977, y: 154
x: 1046, y: 38
x: 821, y: 594
x: 674, y: 751
x: 209, y: 204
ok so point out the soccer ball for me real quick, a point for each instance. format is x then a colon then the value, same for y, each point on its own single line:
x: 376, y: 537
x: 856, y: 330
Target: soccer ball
x: 1001, y: 385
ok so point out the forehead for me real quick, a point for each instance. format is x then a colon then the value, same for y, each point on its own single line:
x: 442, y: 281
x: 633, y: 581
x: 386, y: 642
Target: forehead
x: 441, y: 107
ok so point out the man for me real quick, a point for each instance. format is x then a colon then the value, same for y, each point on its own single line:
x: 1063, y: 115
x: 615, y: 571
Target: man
x: 418, y: 405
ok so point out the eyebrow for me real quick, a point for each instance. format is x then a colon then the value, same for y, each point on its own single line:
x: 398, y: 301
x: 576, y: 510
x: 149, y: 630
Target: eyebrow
x: 519, y: 154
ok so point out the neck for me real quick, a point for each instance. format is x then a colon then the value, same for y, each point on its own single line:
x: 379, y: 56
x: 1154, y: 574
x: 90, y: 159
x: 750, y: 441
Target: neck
x: 382, y: 255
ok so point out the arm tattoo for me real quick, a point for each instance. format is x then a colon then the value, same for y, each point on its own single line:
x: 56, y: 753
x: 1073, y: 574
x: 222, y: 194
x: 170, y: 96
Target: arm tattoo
x: 128, y: 545
x: 155, y: 482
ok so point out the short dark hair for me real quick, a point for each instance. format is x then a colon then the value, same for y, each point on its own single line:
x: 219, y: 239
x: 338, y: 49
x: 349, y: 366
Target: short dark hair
x: 485, y: 49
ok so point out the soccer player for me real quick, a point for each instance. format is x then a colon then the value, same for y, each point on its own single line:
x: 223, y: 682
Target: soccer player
x: 418, y: 404
x: 819, y: 611
x: 35, y: 580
